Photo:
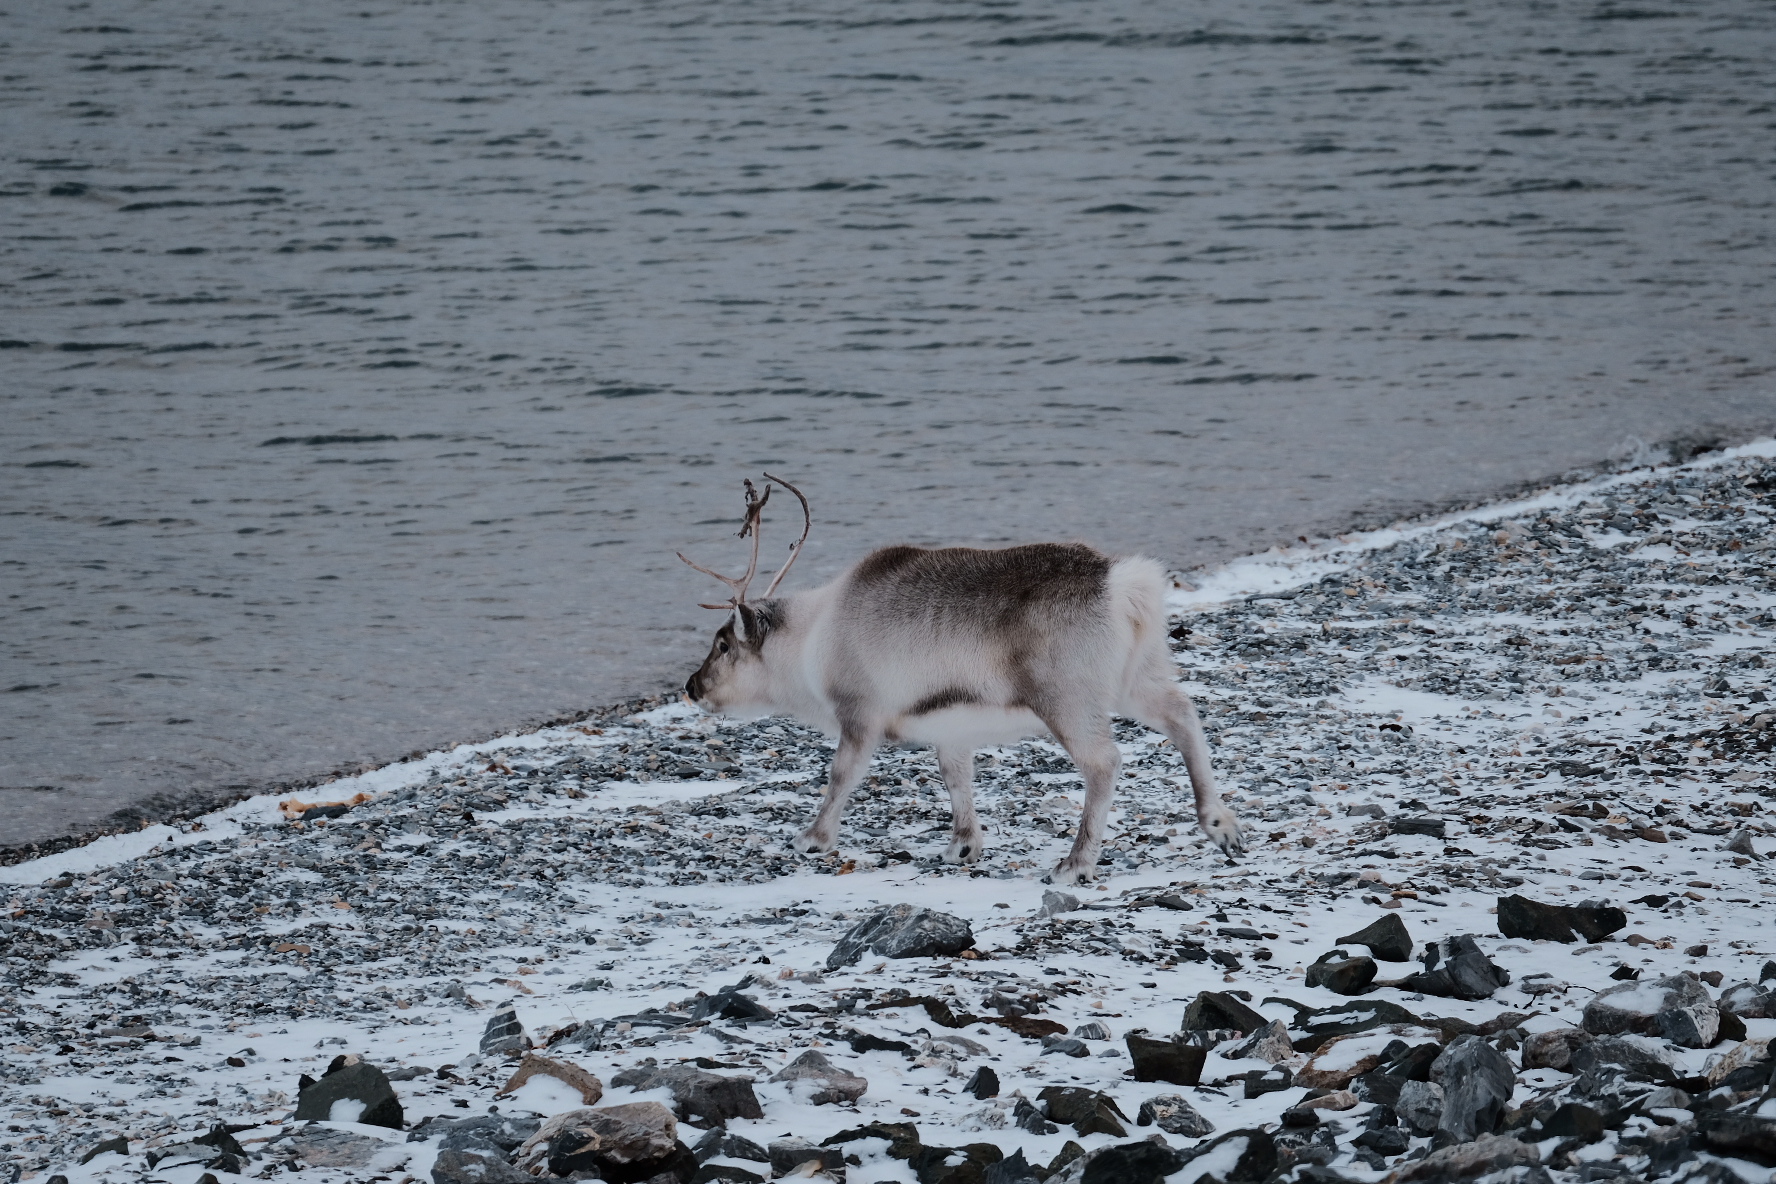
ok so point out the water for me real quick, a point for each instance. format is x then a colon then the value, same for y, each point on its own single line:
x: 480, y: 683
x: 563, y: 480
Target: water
x: 368, y: 361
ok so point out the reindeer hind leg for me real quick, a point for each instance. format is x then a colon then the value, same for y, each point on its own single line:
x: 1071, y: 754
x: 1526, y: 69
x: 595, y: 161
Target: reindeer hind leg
x: 956, y: 765
x: 1166, y: 708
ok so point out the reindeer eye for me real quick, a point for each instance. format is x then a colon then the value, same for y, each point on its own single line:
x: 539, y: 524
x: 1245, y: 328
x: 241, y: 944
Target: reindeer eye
x: 723, y: 646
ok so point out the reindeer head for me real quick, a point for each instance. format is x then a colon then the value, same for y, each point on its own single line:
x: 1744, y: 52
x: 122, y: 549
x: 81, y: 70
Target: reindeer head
x: 733, y: 679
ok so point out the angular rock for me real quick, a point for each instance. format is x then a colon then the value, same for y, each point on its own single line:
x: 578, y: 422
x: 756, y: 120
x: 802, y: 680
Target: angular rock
x: 1013, y: 1169
x: 1322, y: 1024
x: 503, y: 1033
x: 1477, y: 1084
x: 352, y: 1090
x: 1385, y: 1140
x: 623, y: 1144
x: 1165, y: 1058
x: 1464, y: 1161
x: 1744, y: 1136
x: 1420, y: 1106
x: 1455, y: 968
x: 983, y: 1084
x: 1085, y: 1110
x: 1066, y: 1046
x: 730, y: 1005
x: 1635, y: 1006
x: 1740, y: 844
x: 1634, y: 1054
x: 787, y: 1155
x: 1436, y: 828
x: 504, y: 1133
x: 719, y: 1141
x: 1519, y: 916
x: 699, y: 1097
x: 1268, y: 1081
x: 1338, y: 1099
x: 1573, y: 1120
x: 1269, y: 1044
x: 1054, y: 903
x: 902, y: 931
x: 1024, y: 1116
x: 1174, y: 1115
x: 1092, y: 1030
x: 1342, y: 974
x: 1741, y: 1056
x: 1140, y: 1162
x: 1334, y: 1068
x: 472, y: 1166
x: 1552, y: 1049
x: 575, y: 1078
x: 1690, y: 1027
x: 820, y: 1081
x: 1258, y: 1158
x: 1212, y: 1010
x: 1748, y: 1001
x: 115, y: 1145
x: 1386, y: 938
x: 327, y: 1147
x: 938, y: 1165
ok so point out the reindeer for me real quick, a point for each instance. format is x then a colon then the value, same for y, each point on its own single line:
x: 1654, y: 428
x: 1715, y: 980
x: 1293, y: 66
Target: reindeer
x: 960, y: 648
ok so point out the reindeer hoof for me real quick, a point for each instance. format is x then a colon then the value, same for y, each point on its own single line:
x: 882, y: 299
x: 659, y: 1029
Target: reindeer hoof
x: 1223, y: 829
x: 1067, y: 873
x: 809, y: 843
x: 963, y: 851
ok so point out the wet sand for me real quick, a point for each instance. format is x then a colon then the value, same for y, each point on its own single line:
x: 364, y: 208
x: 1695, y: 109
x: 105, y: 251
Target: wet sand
x: 366, y: 364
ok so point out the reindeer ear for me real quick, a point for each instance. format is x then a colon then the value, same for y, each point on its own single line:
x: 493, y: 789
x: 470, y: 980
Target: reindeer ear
x: 741, y: 620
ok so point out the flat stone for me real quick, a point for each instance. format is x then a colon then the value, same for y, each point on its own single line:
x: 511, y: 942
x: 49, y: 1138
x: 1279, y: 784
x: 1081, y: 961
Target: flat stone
x: 1386, y: 938
x: 1489, y: 1153
x: 1173, y: 1114
x: 1085, y: 1110
x: 352, y: 1090
x: 826, y: 1083
x: 902, y: 931
x: 1165, y: 1058
x: 1519, y: 916
x: 327, y: 1147
x: 1319, y: 1025
x: 581, y: 1082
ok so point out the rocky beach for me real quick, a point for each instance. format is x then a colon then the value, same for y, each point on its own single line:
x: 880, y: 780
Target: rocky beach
x: 1507, y: 781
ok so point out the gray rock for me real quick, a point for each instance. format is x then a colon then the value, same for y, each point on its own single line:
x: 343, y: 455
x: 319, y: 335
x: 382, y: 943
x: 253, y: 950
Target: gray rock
x: 1455, y: 968
x: 1630, y: 1053
x: 1165, y: 1058
x: 1635, y: 1006
x: 1749, y: 1001
x: 1519, y: 916
x: 1269, y: 1044
x: 1066, y: 1046
x: 325, y: 1147
x: 1054, y: 903
x: 1174, y: 1115
x: 1420, y: 1106
x: 698, y: 1096
x: 634, y: 1141
x: 503, y: 1033
x: 1690, y: 1027
x: 505, y: 1132
x: 902, y: 931
x: 1342, y: 974
x: 1489, y: 1153
x: 472, y: 1166
x: 1386, y: 938
x: 1477, y: 1084
x: 827, y: 1083
x: 352, y: 1090
x: 786, y: 1155
x: 1552, y: 1049
x: 1085, y: 1110
x: 1092, y: 1030
x: 1212, y: 1010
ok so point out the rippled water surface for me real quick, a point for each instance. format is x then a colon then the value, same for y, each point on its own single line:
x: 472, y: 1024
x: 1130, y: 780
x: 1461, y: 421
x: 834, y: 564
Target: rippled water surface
x: 366, y: 362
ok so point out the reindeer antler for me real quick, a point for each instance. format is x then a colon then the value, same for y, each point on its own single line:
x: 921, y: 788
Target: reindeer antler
x: 795, y: 548
x: 755, y: 506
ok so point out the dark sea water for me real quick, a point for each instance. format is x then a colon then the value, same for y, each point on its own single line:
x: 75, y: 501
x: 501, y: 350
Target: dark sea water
x: 365, y: 362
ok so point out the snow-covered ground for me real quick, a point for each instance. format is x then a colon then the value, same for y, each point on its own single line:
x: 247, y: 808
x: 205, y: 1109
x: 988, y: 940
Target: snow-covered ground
x: 1575, y: 685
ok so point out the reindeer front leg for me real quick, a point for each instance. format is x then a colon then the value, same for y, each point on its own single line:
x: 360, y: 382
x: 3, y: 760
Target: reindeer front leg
x: 956, y: 766
x: 856, y: 746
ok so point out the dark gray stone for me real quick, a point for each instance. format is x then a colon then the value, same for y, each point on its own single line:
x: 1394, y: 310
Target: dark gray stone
x: 1455, y: 968
x: 1174, y: 1115
x: 902, y: 931
x: 1342, y: 974
x: 1141, y: 1162
x: 476, y: 1166
x: 1419, y: 1106
x: 1085, y: 1110
x: 358, y: 1083
x: 503, y: 1033
x: 1633, y: 1054
x: 1385, y: 1140
x: 1211, y: 1010
x: 1635, y: 1006
x: 788, y: 1154
x: 1519, y: 916
x: 698, y: 1096
x: 1477, y: 1084
x: 1386, y: 938
x: 1165, y: 1058
x: 1318, y: 1025
x: 116, y: 1143
x: 1690, y: 1027
x: 1013, y: 1169
x: 983, y: 1084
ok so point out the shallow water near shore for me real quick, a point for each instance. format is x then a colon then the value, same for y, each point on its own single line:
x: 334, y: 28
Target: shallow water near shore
x: 366, y: 366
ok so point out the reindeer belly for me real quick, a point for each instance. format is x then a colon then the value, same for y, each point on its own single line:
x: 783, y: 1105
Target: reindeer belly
x: 970, y: 726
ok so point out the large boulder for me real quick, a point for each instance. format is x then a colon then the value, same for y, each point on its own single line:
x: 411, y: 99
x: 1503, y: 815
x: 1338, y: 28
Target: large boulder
x: 698, y: 1097
x: 1342, y: 974
x: 1386, y: 938
x: 1552, y: 1049
x: 1085, y: 1110
x: 1634, y: 1054
x: 1519, y: 916
x: 1477, y: 1084
x: 1464, y: 1161
x: 1419, y: 1106
x: 1455, y: 968
x: 352, y: 1090
x: 1165, y: 1058
x: 820, y: 1081
x: 1653, y: 1008
x: 1213, y: 1011
x: 1319, y: 1025
x: 623, y: 1144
